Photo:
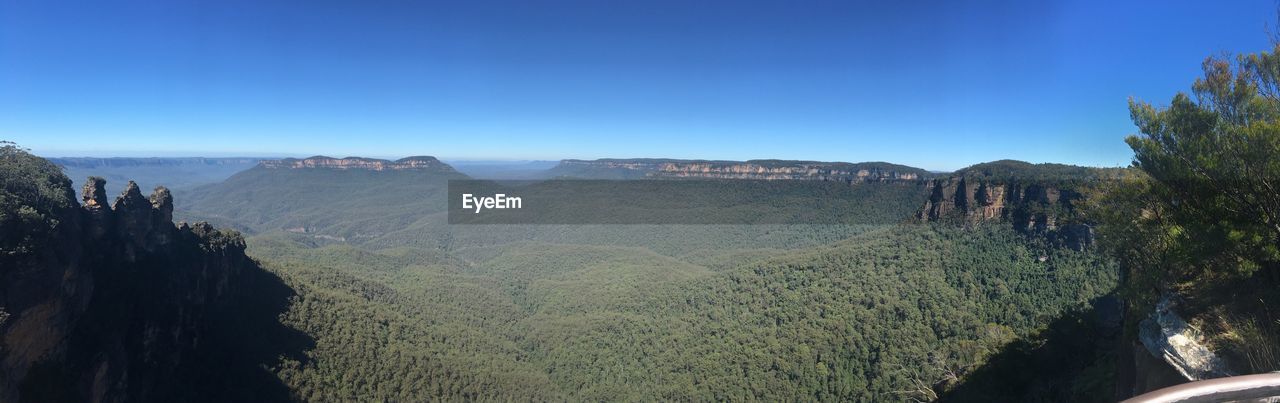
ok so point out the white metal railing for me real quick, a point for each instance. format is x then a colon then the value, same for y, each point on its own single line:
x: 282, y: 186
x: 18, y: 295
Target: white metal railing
x: 1232, y: 388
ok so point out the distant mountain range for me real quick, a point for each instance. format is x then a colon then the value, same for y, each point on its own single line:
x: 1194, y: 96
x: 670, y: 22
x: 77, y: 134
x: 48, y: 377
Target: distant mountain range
x: 298, y: 194
x: 753, y: 169
x: 325, y: 195
x: 328, y: 196
x: 504, y: 169
x: 175, y: 173
x: 373, y: 164
x: 184, y: 173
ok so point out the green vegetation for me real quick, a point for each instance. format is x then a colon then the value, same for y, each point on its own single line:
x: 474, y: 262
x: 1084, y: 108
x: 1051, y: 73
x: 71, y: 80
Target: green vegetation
x: 1012, y: 170
x: 1202, y: 218
x: 33, y: 195
x: 874, y: 316
x: 404, y: 306
x: 1213, y: 163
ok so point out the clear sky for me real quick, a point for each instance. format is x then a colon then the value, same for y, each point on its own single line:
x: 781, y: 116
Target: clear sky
x: 939, y: 85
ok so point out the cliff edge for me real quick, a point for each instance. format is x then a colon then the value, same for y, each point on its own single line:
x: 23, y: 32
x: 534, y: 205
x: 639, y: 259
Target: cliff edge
x: 113, y: 302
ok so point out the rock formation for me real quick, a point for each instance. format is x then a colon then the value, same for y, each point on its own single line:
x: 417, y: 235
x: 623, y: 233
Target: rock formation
x: 1031, y: 207
x: 119, y: 304
x: 1168, y: 337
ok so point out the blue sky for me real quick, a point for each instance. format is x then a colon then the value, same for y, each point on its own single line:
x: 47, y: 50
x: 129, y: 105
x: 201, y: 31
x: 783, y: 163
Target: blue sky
x: 939, y: 85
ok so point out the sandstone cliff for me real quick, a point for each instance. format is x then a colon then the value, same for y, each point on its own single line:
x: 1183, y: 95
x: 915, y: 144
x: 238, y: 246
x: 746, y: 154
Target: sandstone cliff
x: 418, y: 162
x: 753, y: 169
x: 110, y: 301
x: 1033, y: 199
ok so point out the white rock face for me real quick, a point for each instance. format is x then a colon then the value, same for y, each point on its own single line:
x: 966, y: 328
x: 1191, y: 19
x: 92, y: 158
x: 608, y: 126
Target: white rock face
x: 1167, y: 336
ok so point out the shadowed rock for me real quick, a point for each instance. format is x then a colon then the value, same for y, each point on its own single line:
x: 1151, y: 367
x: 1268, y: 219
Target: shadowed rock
x: 94, y: 193
x: 121, y: 305
x: 98, y: 212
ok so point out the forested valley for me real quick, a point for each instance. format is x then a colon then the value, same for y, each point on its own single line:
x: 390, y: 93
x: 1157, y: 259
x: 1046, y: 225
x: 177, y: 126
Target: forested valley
x: 879, y: 314
x: 404, y: 306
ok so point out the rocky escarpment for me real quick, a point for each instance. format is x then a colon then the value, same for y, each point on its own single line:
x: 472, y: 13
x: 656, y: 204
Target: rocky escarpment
x: 1028, y: 206
x: 753, y: 169
x: 420, y: 162
x: 1031, y: 202
x: 111, y: 301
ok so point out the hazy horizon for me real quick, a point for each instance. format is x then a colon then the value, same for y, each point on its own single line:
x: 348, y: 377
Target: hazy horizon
x: 939, y: 86
x: 492, y: 161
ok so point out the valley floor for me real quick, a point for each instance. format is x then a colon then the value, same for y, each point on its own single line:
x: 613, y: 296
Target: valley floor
x: 692, y: 312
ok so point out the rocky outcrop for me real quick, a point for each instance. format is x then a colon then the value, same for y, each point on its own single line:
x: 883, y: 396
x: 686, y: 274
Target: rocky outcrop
x: 1032, y: 207
x: 754, y: 169
x: 419, y: 162
x: 121, y: 304
x: 97, y: 210
x: 1168, y: 337
x: 975, y: 200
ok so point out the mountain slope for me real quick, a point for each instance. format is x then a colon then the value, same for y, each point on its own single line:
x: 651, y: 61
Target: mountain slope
x: 348, y: 199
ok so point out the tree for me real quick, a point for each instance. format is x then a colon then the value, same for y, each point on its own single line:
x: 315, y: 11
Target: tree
x: 1214, y: 159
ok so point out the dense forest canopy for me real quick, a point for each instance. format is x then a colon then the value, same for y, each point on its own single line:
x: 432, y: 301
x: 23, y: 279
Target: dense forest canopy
x: 874, y: 316
x: 1010, y: 170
